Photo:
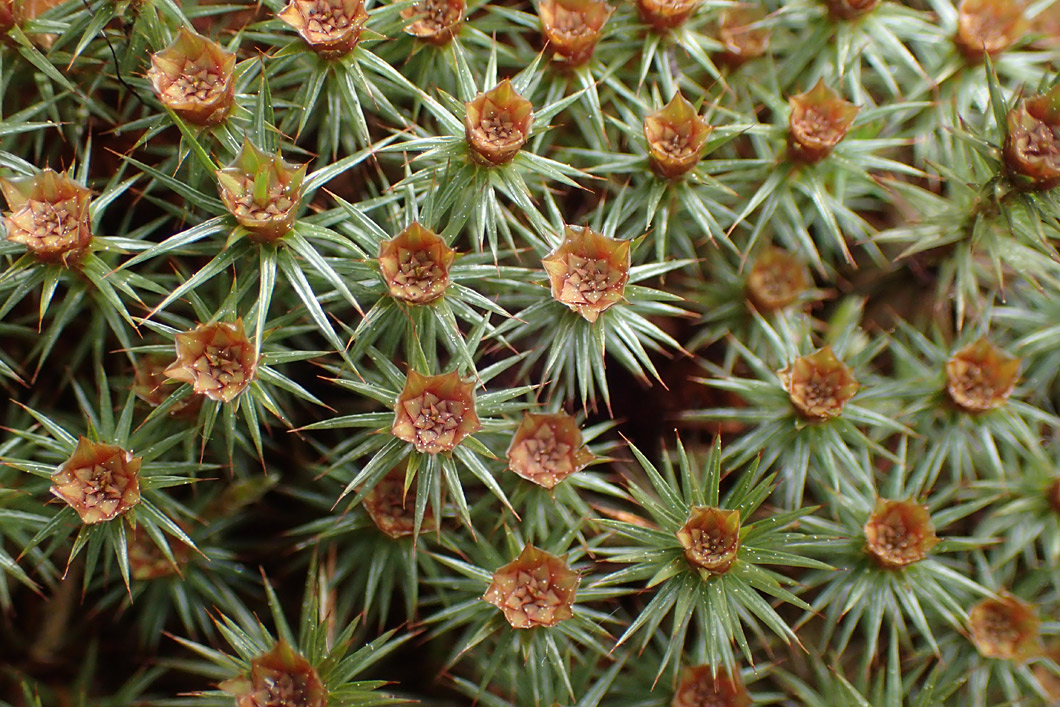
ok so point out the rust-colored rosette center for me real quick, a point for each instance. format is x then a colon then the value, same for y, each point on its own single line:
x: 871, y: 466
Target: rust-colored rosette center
x: 711, y: 539
x: 776, y: 280
x: 49, y: 216
x: 573, y: 27
x: 588, y: 272
x: 435, y: 21
x: 850, y: 9
x: 99, y: 481
x: 415, y: 265
x: 391, y: 508
x: 217, y: 360
x: 980, y: 377
x: 547, y: 448
x: 194, y: 77
x: 819, y: 385
x: 154, y: 387
x: 497, y: 124
x: 1005, y: 628
x: 331, y: 28
x: 899, y: 533
x: 701, y: 687
x: 435, y: 413
x: 676, y: 135
x: 279, y: 678
x: 741, y: 36
x: 535, y: 589
x: 262, y: 191
x: 1032, y: 151
x: 819, y: 121
x: 989, y: 27
x: 665, y: 15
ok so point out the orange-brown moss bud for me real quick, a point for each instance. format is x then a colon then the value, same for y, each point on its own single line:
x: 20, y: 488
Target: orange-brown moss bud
x: 741, y: 36
x: 535, y: 589
x: 573, y: 27
x: 435, y: 413
x: 700, y: 687
x: 146, y: 561
x: 415, y: 265
x: 262, y: 191
x: 980, y: 377
x: 819, y: 385
x: 899, y: 533
x: 850, y: 9
x: 217, y: 360
x: 497, y: 124
x: 49, y: 215
x: 676, y: 136
x: 99, y: 481
x: 547, y: 448
x: 391, y: 508
x: 1032, y: 151
x: 1005, y: 628
x: 711, y: 539
x: 588, y: 272
x: 989, y: 27
x: 194, y: 77
x: 331, y: 28
x: 1046, y: 107
x: 9, y: 15
x: 435, y: 21
x: 665, y: 15
x: 819, y: 120
x: 279, y: 677
x: 776, y: 280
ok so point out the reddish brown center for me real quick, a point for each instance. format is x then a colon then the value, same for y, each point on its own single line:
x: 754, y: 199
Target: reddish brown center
x: 326, y: 20
x: 588, y: 280
x: 52, y: 226
x: 417, y: 276
x: 200, y: 83
x: 436, y: 16
x: 435, y: 421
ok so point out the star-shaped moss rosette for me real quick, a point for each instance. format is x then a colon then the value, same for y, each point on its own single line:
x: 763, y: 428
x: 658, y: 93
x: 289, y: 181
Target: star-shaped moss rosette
x: 49, y: 215
x: 547, y: 448
x: 707, y: 554
x: 420, y: 293
x: 1032, y: 151
x: 430, y: 425
x: 573, y: 27
x: 961, y: 398
x: 592, y: 306
x: 524, y: 601
x: 482, y: 154
x: 497, y: 124
x: 742, y: 35
x: 435, y: 21
x: 1006, y: 628
x: 317, y: 666
x: 892, y: 567
x: 331, y: 28
x: 805, y: 406
x: 989, y: 27
x: 262, y: 192
x: 105, y: 485
x: 217, y: 360
x: 980, y: 377
x: 588, y: 271
x: 819, y: 119
x: 194, y: 78
x: 705, y: 685
x: 665, y: 15
x: 676, y: 136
